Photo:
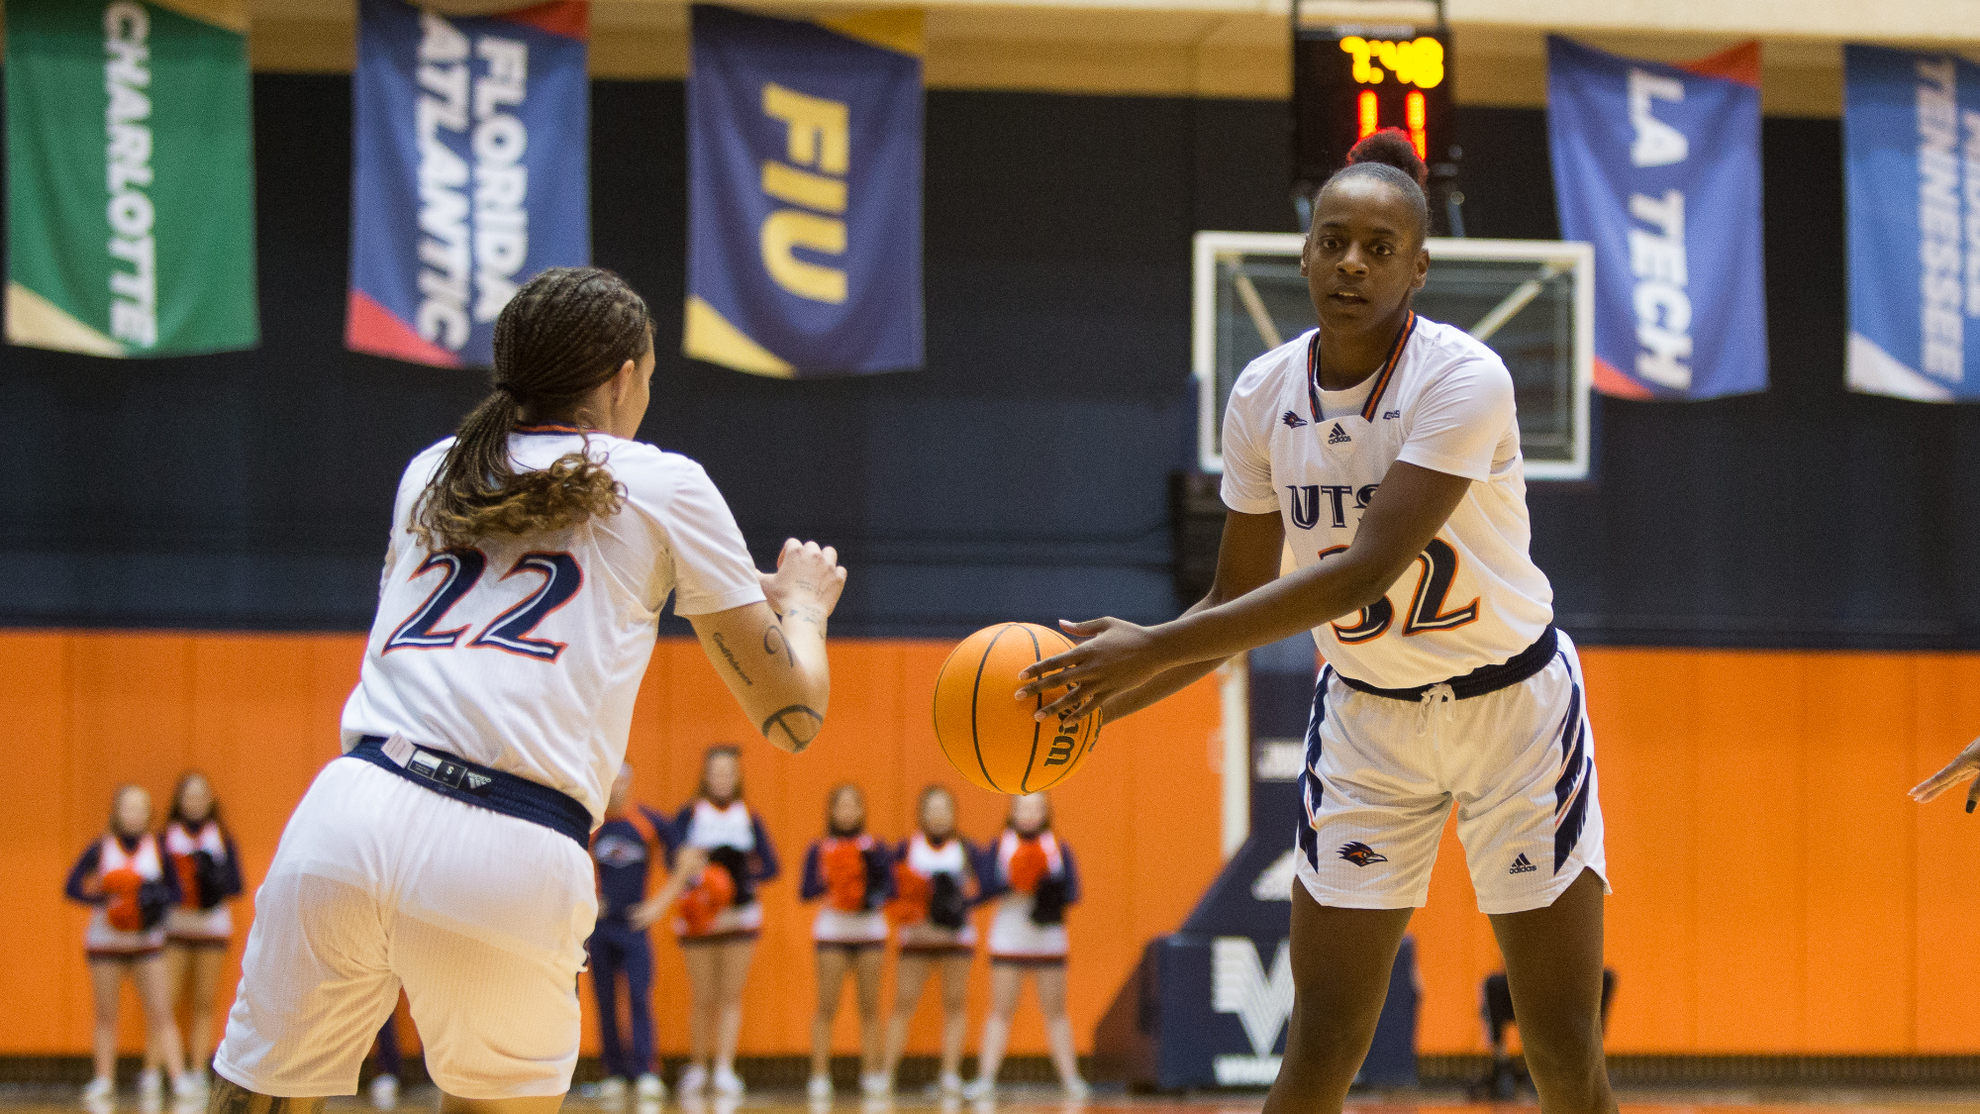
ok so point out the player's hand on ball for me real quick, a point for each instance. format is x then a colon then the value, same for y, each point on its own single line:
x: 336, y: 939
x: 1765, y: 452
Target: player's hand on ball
x: 807, y: 582
x: 1116, y: 657
x: 1964, y: 766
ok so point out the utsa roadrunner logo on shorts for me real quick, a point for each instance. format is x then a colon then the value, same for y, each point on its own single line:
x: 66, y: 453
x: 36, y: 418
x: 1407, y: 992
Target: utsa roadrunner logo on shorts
x: 1360, y: 854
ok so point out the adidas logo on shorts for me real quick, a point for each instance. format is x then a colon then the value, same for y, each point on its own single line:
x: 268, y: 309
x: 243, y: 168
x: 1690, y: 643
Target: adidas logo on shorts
x: 476, y: 781
x: 1339, y: 436
x: 1522, y: 865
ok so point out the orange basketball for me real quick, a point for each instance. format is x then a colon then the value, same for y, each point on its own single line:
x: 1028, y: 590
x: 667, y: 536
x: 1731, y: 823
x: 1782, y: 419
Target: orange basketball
x: 989, y: 736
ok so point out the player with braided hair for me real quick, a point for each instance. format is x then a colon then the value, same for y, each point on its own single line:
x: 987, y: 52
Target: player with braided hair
x: 447, y: 851
x: 1384, y: 449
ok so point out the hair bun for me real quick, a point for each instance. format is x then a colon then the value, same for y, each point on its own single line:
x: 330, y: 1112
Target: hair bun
x: 1391, y: 147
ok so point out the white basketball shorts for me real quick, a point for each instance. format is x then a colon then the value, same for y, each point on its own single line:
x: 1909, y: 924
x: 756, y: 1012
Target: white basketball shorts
x: 1382, y: 774
x: 380, y: 883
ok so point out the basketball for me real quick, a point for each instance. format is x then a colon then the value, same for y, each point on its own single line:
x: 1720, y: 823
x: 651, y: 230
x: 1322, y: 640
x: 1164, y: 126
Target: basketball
x: 990, y: 737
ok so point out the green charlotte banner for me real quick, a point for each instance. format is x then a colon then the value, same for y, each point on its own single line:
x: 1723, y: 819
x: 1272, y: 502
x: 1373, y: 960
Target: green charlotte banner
x: 130, y: 185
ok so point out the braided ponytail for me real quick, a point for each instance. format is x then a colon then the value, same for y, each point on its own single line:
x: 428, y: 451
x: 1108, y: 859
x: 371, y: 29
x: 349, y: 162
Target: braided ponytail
x: 564, y: 333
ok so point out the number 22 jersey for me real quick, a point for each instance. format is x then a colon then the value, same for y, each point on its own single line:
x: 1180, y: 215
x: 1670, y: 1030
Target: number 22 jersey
x: 525, y: 653
x: 1442, y: 401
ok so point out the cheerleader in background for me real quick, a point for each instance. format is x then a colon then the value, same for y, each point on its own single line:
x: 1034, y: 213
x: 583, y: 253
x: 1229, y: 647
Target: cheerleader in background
x: 123, y: 877
x: 936, y: 881
x: 197, y: 930
x: 622, y: 853
x: 1034, y: 879
x: 852, y: 871
x: 719, y: 916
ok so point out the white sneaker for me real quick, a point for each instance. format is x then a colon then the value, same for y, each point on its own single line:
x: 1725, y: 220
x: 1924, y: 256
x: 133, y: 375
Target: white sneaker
x: 151, y: 1085
x: 1078, y: 1090
x: 186, y: 1085
x: 819, y: 1089
x: 875, y: 1085
x: 693, y: 1081
x: 385, y: 1092
x: 979, y: 1089
x: 727, y: 1083
x: 100, y: 1088
x: 949, y: 1084
x: 648, y: 1088
x: 612, y: 1088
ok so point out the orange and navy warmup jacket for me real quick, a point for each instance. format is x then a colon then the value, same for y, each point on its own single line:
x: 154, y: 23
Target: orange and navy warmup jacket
x: 857, y: 871
x: 622, y: 851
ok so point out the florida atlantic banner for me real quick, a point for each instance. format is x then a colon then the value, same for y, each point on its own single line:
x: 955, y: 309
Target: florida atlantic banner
x: 130, y: 181
x: 804, y: 193
x: 1911, y: 154
x: 470, y: 172
x: 1658, y: 167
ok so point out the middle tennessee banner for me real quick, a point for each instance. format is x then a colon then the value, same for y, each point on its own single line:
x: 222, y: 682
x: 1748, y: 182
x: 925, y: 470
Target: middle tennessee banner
x: 1658, y: 167
x: 804, y: 193
x: 1911, y: 177
x: 471, y: 172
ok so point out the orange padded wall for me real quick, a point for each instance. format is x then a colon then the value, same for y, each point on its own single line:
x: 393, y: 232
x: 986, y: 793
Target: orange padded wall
x: 1776, y: 892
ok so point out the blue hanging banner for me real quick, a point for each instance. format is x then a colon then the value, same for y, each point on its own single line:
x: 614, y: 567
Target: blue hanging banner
x: 804, y: 193
x: 1658, y: 166
x: 1911, y: 176
x: 470, y: 172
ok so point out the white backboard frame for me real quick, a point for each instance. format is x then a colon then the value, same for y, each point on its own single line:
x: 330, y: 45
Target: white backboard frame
x: 1570, y: 254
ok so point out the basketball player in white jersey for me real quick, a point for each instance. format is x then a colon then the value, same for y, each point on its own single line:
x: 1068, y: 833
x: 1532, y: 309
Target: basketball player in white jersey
x: 1383, y: 448
x: 446, y: 851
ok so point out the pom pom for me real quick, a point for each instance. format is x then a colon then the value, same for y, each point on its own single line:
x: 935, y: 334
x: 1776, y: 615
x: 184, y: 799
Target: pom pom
x: 698, y: 907
x: 1028, y: 866
x: 1392, y: 147
x: 121, y: 886
x: 912, y: 893
x: 844, y: 867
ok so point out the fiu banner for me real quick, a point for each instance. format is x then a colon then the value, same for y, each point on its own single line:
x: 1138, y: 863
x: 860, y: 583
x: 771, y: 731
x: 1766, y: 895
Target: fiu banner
x: 1911, y: 179
x: 471, y: 172
x: 130, y: 181
x: 804, y: 193
x: 1658, y: 167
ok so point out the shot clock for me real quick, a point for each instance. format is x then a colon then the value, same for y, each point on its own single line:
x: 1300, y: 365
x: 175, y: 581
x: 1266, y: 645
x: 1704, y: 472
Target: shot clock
x: 1348, y: 83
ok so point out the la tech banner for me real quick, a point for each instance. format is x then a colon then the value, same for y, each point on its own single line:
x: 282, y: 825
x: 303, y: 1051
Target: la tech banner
x: 1911, y: 179
x: 804, y: 193
x: 470, y: 172
x: 130, y: 181
x: 1658, y: 167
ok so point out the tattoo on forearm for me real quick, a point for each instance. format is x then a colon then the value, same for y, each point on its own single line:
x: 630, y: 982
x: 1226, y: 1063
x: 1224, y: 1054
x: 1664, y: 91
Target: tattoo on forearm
x: 799, y: 724
x: 807, y: 614
x: 229, y: 1097
x: 730, y: 657
x: 775, y: 643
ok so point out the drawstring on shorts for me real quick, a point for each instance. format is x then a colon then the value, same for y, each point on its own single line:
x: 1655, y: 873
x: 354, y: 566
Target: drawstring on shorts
x: 1436, y: 696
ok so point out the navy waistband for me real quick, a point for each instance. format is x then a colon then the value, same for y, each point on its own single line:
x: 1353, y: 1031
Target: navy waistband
x: 451, y: 776
x: 1478, y: 682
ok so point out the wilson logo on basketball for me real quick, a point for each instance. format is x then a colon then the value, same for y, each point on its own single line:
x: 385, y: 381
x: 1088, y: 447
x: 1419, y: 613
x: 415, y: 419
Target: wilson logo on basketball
x: 1360, y: 854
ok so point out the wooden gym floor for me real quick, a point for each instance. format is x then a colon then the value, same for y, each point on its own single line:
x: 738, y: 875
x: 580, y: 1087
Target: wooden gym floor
x: 1041, y: 1100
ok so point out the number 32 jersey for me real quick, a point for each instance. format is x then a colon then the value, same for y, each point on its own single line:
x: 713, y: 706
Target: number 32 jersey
x: 1441, y: 401
x: 525, y: 653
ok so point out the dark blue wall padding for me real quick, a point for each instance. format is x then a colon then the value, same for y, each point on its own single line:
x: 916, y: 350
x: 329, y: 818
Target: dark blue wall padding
x: 1023, y: 474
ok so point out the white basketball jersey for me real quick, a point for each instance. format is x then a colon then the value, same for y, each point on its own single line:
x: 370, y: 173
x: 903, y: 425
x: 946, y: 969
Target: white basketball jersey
x: 525, y: 653
x: 1441, y: 401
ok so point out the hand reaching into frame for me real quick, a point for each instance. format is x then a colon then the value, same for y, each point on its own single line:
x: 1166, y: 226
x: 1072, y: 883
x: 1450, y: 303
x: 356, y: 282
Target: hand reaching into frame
x: 1964, y: 765
x: 1116, y: 657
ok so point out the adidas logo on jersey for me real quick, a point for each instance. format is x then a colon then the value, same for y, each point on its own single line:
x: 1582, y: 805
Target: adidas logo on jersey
x: 1522, y: 865
x: 1339, y: 436
x: 1292, y: 420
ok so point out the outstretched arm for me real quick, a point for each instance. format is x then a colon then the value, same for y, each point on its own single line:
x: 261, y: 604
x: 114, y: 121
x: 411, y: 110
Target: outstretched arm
x: 1964, y: 765
x: 1412, y: 504
x: 772, y: 655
